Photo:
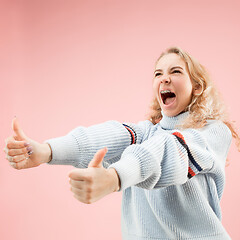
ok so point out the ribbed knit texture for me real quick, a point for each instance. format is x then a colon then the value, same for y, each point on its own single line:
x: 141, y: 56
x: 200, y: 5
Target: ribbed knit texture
x: 172, y: 180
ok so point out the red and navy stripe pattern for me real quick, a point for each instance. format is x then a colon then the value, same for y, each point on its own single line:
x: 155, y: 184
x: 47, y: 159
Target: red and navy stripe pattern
x: 132, y: 134
x: 198, y: 168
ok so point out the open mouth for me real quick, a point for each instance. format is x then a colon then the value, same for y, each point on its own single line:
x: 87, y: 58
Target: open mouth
x: 167, y: 96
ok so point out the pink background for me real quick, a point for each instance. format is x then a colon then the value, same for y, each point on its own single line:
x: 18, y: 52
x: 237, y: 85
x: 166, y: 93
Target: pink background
x: 70, y: 63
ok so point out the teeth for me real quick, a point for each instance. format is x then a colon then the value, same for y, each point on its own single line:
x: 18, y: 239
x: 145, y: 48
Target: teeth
x: 165, y: 91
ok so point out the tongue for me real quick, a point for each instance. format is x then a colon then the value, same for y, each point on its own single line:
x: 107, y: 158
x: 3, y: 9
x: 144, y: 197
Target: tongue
x: 169, y: 100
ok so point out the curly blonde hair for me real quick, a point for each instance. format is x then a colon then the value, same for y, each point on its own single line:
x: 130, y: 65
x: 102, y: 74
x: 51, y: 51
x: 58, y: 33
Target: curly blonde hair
x: 204, y: 106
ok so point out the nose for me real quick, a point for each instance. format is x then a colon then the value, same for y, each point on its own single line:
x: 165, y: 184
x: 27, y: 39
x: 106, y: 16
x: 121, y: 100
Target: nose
x: 166, y: 80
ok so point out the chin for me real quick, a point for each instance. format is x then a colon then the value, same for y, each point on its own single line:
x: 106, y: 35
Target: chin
x: 170, y: 114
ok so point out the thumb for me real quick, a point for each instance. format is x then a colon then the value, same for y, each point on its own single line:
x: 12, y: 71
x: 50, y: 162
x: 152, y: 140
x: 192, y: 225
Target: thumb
x: 98, y: 158
x: 17, y: 130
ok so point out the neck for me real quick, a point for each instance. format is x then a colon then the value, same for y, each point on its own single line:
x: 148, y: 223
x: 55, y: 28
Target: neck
x: 172, y: 122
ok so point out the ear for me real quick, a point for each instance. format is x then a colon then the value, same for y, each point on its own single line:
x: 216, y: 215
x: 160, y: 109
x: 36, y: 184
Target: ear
x: 197, y: 90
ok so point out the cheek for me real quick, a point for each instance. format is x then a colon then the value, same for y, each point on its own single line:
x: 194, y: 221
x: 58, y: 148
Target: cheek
x: 155, y: 86
x: 184, y: 86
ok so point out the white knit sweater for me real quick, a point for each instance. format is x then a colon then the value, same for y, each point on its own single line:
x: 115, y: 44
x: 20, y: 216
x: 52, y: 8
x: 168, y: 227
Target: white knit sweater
x: 172, y: 180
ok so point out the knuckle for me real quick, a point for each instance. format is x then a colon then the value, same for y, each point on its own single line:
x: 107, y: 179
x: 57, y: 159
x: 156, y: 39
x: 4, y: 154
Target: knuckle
x: 11, y: 152
x: 90, y: 179
x: 16, y: 166
x: 88, y: 201
x: 14, y: 159
x: 71, y: 185
x: 11, y: 164
x: 88, y: 197
x: 85, y: 201
x: 89, y: 189
x: 8, y: 145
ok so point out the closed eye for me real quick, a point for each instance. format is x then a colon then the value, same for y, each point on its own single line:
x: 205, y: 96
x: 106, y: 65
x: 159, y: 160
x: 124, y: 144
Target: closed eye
x: 158, y: 74
x: 176, y: 71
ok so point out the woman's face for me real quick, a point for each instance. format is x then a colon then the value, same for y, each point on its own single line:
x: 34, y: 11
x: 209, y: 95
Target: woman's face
x: 172, y: 85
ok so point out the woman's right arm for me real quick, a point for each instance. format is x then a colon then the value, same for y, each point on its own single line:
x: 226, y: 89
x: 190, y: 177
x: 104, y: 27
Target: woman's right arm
x: 77, y: 148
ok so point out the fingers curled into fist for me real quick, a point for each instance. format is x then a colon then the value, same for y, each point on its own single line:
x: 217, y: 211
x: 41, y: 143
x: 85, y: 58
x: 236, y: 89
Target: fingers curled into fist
x: 17, y: 152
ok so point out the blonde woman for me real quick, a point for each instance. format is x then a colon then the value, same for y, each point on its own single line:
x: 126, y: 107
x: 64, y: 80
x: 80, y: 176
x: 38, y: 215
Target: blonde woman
x: 170, y: 167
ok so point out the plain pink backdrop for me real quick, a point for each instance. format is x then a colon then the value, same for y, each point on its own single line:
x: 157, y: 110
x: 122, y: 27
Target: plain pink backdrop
x: 70, y: 63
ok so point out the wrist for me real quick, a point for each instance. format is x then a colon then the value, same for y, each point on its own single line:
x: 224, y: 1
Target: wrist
x: 116, y: 179
x: 47, y: 156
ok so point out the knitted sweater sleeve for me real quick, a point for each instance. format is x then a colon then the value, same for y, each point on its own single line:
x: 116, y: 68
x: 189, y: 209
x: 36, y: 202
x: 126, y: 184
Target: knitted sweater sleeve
x: 173, y: 157
x: 78, y: 147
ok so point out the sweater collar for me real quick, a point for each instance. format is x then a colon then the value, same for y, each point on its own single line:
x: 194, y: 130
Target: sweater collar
x: 172, y: 122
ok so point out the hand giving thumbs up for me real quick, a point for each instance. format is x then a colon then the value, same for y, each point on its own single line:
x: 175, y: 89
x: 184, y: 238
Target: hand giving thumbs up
x: 94, y: 182
x: 23, y: 152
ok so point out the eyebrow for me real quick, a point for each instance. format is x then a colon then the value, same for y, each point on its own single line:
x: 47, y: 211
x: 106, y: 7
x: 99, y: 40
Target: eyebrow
x: 160, y: 70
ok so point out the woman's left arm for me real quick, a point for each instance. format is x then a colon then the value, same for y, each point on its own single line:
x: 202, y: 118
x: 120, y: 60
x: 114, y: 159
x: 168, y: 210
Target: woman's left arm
x: 163, y: 160
x: 173, y: 158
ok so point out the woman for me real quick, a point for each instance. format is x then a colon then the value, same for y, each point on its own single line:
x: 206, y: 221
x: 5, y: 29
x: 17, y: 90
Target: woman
x: 170, y: 168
